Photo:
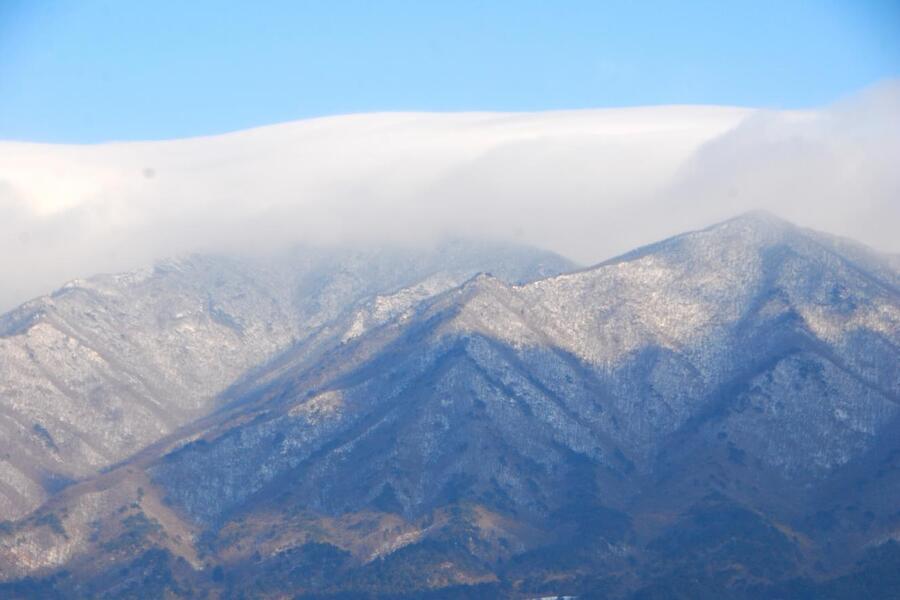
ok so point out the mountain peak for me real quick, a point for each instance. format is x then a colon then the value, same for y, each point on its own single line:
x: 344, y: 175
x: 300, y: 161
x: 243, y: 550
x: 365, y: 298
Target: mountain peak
x: 753, y: 229
x: 761, y: 221
x: 758, y: 216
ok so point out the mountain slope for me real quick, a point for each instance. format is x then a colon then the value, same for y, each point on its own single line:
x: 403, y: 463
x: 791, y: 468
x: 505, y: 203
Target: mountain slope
x: 108, y: 365
x: 753, y: 355
x: 674, y: 421
x: 754, y: 326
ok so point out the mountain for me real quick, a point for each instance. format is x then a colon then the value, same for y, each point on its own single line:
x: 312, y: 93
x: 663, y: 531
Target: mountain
x: 715, y: 415
x: 108, y: 365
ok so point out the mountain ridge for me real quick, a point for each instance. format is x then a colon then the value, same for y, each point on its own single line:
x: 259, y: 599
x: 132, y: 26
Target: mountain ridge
x: 688, y: 409
x: 106, y: 365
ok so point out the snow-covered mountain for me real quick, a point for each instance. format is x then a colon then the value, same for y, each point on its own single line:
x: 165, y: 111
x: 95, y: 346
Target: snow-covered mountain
x: 754, y: 333
x: 717, y: 414
x: 108, y: 365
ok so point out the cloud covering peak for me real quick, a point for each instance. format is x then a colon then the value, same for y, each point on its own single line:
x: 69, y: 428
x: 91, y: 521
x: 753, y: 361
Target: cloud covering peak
x: 587, y: 184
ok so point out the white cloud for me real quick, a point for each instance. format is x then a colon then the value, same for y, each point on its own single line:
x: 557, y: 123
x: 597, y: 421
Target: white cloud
x: 588, y: 184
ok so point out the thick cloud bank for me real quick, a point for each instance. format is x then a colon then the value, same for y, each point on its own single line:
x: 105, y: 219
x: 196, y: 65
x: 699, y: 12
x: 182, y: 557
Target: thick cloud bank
x: 588, y: 184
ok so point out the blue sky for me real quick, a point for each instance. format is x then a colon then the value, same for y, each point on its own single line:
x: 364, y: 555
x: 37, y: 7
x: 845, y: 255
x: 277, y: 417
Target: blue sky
x: 96, y: 70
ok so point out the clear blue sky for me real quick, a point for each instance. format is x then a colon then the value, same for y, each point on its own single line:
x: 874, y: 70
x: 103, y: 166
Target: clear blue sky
x: 92, y: 70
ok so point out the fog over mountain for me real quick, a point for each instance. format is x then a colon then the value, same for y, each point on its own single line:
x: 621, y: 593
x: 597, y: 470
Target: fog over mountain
x: 586, y: 184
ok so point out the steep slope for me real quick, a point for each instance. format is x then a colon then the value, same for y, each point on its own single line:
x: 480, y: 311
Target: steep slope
x: 674, y: 421
x: 108, y: 365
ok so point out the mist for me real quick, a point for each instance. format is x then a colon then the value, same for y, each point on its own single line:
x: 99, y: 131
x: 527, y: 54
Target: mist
x: 587, y: 184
